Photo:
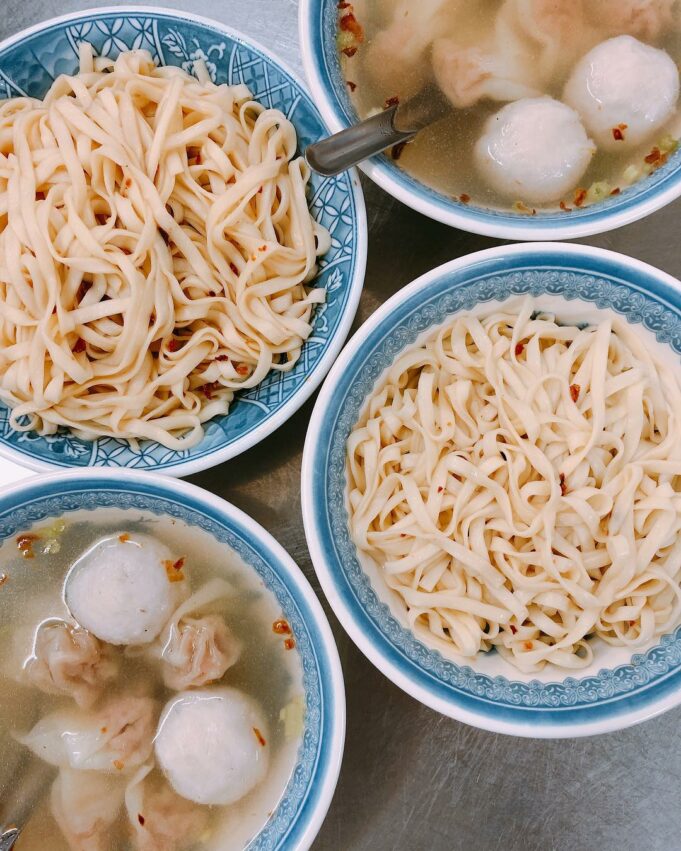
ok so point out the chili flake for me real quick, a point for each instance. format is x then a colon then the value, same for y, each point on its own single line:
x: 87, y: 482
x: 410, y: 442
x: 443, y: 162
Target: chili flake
x: 174, y: 569
x: 580, y: 197
x: 563, y: 485
x: 289, y: 644
x: 440, y: 489
x: 349, y: 23
x: 281, y: 627
x: 25, y: 544
x: 574, y: 392
x: 124, y: 538
x: 392, y: 101
x: 118, y: 765
x: 349, y: 51
x: 616, y: 191
x: 140, y: 819
x: 519, y: 349
x: 465, y: 198
x: 528, y: 645
x: 618, y: 132
x: 241, y: 368
x: 514, y: 629
x: 352, y: 86
x: 259, y: 736
x: 209, y: 389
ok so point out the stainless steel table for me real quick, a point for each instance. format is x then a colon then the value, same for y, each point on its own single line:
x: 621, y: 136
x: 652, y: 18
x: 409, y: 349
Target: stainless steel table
x: 411, y: 779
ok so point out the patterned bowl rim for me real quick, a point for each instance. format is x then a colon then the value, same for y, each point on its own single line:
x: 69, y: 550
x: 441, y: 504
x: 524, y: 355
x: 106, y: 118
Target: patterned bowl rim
x: 399, y: 655
x: 599, y: 218
x: 355, y: 284
x: 312, y: 803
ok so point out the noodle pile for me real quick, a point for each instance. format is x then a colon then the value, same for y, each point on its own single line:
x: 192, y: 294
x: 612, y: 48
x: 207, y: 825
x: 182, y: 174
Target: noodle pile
x: 517, y: 482
x: 155, y: 247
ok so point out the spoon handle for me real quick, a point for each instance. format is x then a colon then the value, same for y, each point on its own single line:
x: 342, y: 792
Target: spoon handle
x: 343, y: 150
x: 8, y: 838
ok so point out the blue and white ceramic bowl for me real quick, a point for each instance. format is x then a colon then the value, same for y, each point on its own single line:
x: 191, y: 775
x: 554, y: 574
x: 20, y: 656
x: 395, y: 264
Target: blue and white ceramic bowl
x: 318, y: 29
x: 305, y: 801
x: 31, y: 60
x: 619, y: 688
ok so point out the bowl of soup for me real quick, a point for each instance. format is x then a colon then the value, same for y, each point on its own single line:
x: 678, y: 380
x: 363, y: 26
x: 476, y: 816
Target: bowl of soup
x: 490, y: 490
x: 564, y: 117
x: 166, y: 669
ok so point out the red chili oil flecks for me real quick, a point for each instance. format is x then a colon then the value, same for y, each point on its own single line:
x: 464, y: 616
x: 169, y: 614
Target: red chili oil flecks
x: 564, y: 207
x: 124, y: 538
x: 514, y: 629
x: 25, y: 544
x: 465, y: 198
x: 281, y: 627
x: 574, y: 392
x: 519, y: 349
x: 618, y: 132
x: 241, y: 369
x: 349, y: 51
x: 352, y: 86
x: 174, y: 569
x: 656, y: 158
x: 140, y: 819
x: 349, y: 23
x: 259, y: 736
x: 563, y: 484
x: 289, y: 644
x: 209, y: 389
x: 392, y: 101
x: 528, y: 645
x: 440, y: 489
x: 616, y: 191
x: 580, y: 197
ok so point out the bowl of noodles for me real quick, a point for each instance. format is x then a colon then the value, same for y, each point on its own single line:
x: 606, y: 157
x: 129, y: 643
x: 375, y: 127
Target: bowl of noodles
x: 564, y: 117
x: 491, y: 490
x: 174, y: 281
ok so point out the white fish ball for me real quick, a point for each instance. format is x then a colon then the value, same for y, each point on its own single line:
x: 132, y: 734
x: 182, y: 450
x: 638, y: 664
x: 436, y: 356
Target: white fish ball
x: 212, y: 745
x: 119, y: 589
x: 625, y: 91
x: 534, y: 150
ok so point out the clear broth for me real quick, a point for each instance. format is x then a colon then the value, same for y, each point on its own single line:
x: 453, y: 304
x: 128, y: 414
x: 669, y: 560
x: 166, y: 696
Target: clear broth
x: 441, y: 156
x: 266, y: 670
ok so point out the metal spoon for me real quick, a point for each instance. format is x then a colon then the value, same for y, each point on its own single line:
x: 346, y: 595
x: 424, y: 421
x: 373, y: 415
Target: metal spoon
x: 398, y: 123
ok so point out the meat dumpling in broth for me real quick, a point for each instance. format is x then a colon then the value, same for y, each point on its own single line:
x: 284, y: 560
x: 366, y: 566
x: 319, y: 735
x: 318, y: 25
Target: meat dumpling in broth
x: 550, y: 34
x: 116, y: 738
x: 468, y: 74
x: 161, y: 820
x: 534, y: 150
x: 120, y: 589
x: 644, y: 19
x: 197, y: 646
x: 212, y: 745
x: 397, y: 56
x: 625, y: 92
x: 67, y: 660
x: 85, y: 805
